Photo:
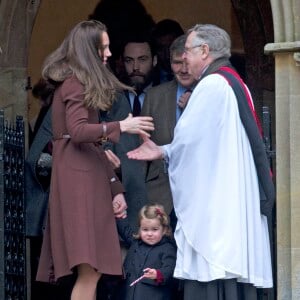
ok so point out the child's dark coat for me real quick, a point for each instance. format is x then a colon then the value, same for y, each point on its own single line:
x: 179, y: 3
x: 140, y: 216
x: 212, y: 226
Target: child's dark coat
x: 161, y: 256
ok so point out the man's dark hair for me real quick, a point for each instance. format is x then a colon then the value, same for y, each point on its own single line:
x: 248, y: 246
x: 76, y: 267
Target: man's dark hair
x: 139, y: 37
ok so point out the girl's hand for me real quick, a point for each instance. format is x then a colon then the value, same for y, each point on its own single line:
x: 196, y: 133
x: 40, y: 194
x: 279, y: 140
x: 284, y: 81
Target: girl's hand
x: 119, y: 206
x: 150, y: 273
x: 137, y: 125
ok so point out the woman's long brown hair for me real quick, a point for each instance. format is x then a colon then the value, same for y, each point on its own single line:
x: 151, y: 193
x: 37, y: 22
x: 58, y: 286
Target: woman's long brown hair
x: 78, y: 55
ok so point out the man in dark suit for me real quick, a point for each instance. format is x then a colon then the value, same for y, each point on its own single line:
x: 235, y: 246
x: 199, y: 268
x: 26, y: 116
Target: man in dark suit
x: 139, y: 61
x: 165, y: 104
x: 130, y: 172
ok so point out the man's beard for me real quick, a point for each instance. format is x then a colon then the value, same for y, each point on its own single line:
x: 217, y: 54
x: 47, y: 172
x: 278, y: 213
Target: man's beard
x: 139, y: 85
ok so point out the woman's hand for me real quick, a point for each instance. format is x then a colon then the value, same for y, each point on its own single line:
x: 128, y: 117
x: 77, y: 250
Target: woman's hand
x: 137, y: 125
x: 119, y: 206
x: 147, y: 151
x: 113, y: 158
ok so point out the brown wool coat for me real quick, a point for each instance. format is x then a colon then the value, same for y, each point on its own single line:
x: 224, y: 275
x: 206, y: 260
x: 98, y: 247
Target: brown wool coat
x: 81, y: 226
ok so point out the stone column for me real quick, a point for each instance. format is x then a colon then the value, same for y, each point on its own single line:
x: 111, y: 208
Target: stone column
x: 16, y: 21
x: 287, y: 81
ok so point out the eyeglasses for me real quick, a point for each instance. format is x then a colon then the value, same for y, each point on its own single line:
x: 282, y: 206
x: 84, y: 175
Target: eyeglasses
x: 188, y: 49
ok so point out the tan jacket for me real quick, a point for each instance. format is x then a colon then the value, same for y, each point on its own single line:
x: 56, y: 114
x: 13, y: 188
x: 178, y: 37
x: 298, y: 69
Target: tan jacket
x: 160, y: 103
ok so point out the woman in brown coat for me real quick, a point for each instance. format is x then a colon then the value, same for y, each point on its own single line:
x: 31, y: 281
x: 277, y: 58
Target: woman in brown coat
x: 85, y: 194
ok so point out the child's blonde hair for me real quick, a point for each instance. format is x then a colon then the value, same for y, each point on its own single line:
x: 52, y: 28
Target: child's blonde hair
x: 155, y: 211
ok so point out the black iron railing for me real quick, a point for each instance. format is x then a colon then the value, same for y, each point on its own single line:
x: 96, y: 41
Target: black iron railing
x: 12, y: 210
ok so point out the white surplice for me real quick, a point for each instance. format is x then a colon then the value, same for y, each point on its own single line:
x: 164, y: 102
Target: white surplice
x: 220, y: 231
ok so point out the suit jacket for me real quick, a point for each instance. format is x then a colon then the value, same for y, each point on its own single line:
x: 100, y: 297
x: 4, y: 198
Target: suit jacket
x: 160, y: 103
x: 132, y: 171
x: 145, y: 91
x: 36, y: 197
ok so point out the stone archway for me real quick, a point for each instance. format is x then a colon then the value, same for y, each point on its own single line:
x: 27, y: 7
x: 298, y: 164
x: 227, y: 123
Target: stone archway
x: 16, y: 21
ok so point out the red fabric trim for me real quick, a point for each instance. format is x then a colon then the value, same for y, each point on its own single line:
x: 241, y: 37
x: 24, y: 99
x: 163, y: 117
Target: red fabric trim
x: 159, y: 277
x: 237, y: 76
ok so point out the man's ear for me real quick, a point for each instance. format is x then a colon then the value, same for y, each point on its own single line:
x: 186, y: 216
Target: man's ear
x: 205, y: 51
x: 154, y: 63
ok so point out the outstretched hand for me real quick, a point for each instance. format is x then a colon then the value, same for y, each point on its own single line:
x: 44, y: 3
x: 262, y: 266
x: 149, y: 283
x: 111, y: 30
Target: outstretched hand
x: 137, y: 125
x: 147, y: 151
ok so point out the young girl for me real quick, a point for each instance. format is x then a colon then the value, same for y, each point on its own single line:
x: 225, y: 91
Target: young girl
x: 151, y: 256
